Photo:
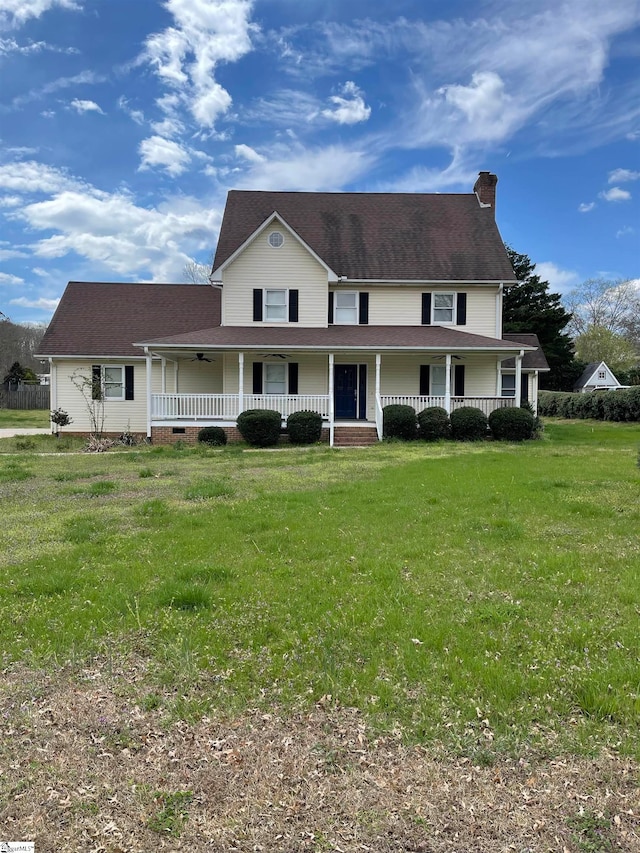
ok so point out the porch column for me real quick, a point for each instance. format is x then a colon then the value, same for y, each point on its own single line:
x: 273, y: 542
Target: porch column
x: 149, y: 363
x: 175, y: 376
x: 447, y: 383
x: 331, y: 407
x: 53, y: 388
x: 519, y: 377
x: 499, y: 379
x: 378, y: 402
x: 163, y: 362
x: 378, y: 363
x: 240, y: 382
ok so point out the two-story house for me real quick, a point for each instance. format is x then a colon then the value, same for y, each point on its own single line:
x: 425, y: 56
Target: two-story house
x: 336, y: 302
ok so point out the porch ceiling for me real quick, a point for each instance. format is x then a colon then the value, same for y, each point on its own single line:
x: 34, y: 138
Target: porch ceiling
x: 439, y: 338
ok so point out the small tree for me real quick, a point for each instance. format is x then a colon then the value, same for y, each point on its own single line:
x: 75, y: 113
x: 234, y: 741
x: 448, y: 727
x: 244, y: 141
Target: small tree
x: 61, y: 419
x: 93, y: 395
x: 18, y: 373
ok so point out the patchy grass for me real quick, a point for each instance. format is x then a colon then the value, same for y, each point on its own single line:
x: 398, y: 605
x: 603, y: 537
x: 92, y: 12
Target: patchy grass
x: 35, y: 418
x: 285, y: 642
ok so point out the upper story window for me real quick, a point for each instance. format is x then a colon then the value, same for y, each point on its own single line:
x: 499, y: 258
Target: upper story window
x: 443, y: 307
x: 602, y: 374
x: 275, y: 306
x: 345, y: 309
x: 275, y: 239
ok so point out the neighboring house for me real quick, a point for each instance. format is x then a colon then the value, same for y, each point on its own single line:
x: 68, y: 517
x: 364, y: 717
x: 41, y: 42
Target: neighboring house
x: 597, y: 377
x: 337, y: 302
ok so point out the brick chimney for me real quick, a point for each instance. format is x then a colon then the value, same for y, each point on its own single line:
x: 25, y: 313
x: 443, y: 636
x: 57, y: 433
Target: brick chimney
x: 485, y: 189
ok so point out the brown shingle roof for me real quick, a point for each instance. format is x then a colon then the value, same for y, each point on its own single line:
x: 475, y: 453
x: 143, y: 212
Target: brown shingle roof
x: 334, y: 337
x: 535, y: 360
x: 379, y: 236
x: 100, y: 318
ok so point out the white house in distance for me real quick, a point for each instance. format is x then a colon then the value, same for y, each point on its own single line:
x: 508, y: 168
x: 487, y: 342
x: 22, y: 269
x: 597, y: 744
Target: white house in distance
x: 597, y: 377
x: 341, y: 303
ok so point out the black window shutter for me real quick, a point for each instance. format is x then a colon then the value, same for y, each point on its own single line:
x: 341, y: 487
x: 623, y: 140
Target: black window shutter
x: 128, y: 382
x: 424, y: 380
x: 461, y: 318
x: 426, y: 309
x: 524, y: 388
x: 293, y: 377
x: 257, y: 377
x: 458, y: 380
x: 96, y: 382
x: 293, y: 306
x: 330, y: 307
x: 363, y: 314
x: 257, y: 304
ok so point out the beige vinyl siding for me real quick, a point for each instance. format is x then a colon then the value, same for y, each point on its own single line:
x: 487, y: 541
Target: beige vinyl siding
x: 400, y: 374
x: 313, y: 372
x: 400, y: 305
x: 289, y: 267
x: 119, y: 415
x: 199, y: 377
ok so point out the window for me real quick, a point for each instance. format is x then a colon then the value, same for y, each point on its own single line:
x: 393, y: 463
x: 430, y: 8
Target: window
x: 345, y: 311
x: 438, y: 380
x: 602, y: 374
x: 275, y: 306
x: 508, y: 385
x: 275, y: 239
x: 112, y: 382
x: 275, y: 378
x: 443, y: 307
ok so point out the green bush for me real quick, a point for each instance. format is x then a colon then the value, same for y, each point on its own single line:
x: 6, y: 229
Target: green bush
x: 304, y: 427
x: 214, y: 436
x: 433, y: 424
x: 468, y: 424
x: 600, y: 405
x: 512, y: 424
x: 259, y: 427
x: 399, y: 422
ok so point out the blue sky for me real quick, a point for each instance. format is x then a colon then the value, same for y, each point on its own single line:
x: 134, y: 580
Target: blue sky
x: 123, y: 124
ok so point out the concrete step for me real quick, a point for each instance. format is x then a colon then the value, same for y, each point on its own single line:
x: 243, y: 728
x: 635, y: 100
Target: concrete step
x: 354, y: 437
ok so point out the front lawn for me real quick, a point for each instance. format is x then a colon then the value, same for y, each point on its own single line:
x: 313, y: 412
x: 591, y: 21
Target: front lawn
x: 478, y: 601
x: 36, y: 418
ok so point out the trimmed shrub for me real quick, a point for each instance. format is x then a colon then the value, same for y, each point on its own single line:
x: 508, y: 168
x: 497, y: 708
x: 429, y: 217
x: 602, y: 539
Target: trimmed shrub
x: 304, y: 427
x: 433, y: 424
x: 601, y: 405
x: 214, y: 436
x: 259, y: 427
x: 399, y: 422
x: 468, y: 424
x: 513, y: 424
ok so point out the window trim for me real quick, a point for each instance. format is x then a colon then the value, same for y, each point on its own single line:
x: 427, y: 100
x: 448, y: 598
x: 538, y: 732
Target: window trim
x: 103, y: 383
x: 270, y: 234
x: 509, y: 390
x: 356, y: 306
x: 265, y: 368
x: 452, y: 308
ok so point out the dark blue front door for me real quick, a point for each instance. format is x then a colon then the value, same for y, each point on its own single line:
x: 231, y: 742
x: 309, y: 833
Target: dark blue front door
x: 345, y: 388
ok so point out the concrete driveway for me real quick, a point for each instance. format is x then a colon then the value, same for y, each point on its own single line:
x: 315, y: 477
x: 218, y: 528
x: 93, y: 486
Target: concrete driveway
x: 9, y: 432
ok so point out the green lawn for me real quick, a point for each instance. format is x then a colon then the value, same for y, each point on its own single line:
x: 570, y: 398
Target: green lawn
x: 476, y: 597
x: 35, y: 418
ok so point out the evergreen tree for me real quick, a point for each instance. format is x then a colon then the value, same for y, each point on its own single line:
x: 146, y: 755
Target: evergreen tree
x: 529, y: 306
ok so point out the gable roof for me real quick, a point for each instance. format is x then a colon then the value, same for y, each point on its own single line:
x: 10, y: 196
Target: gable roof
x: 535, y: 360
x: 379, y: 236
x: 590, y: 371
x: 104, y: 318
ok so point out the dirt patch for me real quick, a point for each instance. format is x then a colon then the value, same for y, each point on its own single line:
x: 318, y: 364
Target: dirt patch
x: 82, y: 768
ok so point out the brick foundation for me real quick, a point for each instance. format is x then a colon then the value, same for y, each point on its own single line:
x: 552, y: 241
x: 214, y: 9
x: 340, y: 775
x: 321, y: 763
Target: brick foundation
x: 166, y: 435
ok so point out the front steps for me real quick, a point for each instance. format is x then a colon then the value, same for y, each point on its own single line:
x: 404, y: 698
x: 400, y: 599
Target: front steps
x: 354, y: 436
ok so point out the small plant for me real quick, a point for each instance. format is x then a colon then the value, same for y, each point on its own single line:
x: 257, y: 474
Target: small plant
x: 399, y: 422
x: 304, y: 427
x: 468, y: 424
x: 127, y: 438
x: 259, y: 427
x: 25, y: 444
x: 515, y: 424
x: 433, y: 424
x: 61, y: 419
x: 96, y: 444
x: 172, y: 814
x: 213, y: 436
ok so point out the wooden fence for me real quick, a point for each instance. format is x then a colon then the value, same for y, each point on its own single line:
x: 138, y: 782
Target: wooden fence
x: 23, y: 396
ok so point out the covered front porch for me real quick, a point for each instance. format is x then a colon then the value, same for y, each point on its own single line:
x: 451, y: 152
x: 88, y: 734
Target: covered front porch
x: 343, y: 387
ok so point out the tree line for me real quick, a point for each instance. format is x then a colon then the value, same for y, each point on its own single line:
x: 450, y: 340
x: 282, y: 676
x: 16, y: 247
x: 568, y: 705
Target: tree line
x: 18, y: 343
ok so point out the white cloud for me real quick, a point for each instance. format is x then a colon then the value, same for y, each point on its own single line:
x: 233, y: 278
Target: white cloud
x: 561, y: 281
x: 349, y: 107
x: 615, y: 194
x: 7, y: 254
x: 490, y: 112
x: 10, y: 201
x: 33, y: 177
x: 85, y: 106
x: 164, y: 153
x: 627, y: 231
x: 620, y: 176
x: 287, y: 108
x: 81, y: 79
x: 185, y: 56
x: 10, y: 45
x: 249, y: 154
x: 135, y: 115
x: 41, y: 304
x: 14, y: 13
x: 586, y: 207
x: 7, y: 278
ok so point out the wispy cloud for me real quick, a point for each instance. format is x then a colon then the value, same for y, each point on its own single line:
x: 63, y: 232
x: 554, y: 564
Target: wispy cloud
x: 14, y: 13
x: 10, y: 45
x: 348, y: 107
x: 7, y: 278
x: 615, y: 194
x: 621, y: 176
x: 85, y: 106
x: 586, y: 207
x: 561, y: 281
x: 165, y: 154
x: 42, y: 304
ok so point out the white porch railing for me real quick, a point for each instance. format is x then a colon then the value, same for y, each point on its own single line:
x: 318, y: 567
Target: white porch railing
x: 486, y: 404
x: 201, y: 407
x: 379, y: 417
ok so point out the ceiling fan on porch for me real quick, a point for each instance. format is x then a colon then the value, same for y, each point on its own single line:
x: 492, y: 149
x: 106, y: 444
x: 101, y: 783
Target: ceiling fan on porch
x: 200, y: 356
x: 274, y: 355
